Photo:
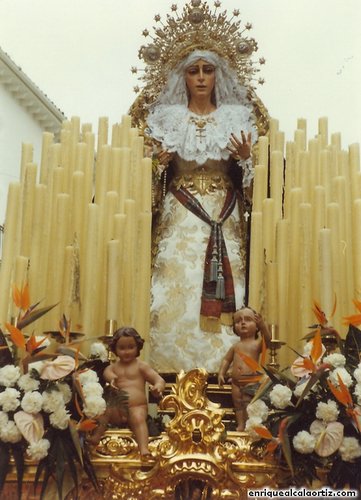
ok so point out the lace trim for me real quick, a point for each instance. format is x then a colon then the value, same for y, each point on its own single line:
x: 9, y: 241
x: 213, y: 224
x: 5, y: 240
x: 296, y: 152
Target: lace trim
x: 248, y: 171
x: 178, y: 131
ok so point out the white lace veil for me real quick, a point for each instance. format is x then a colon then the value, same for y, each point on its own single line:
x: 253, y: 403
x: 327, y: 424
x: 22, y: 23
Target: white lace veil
x: 228, y: 90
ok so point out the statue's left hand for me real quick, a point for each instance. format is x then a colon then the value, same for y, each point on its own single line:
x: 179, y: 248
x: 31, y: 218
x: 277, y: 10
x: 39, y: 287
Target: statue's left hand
x: 240, y: 149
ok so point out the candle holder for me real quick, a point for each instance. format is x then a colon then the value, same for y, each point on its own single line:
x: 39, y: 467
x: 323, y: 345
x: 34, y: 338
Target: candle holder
x: 110, y: 328
x: 275, y: 344
x: 330, y: 341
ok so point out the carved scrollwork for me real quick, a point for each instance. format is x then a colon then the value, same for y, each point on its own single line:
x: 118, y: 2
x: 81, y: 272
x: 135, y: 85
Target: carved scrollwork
x: 194, y: 452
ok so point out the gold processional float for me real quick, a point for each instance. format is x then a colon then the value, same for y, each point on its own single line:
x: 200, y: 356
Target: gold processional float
x: 78, y: 230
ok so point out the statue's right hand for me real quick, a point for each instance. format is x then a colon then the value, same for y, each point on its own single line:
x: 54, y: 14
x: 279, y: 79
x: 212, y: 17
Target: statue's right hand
x: 221, y: 380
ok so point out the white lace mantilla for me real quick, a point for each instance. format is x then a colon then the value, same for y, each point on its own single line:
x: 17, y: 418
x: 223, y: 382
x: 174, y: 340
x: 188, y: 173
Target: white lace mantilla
x: 202, y: 137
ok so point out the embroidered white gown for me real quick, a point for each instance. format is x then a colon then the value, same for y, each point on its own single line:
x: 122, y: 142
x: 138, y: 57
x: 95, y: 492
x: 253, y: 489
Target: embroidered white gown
x: 177, y: 341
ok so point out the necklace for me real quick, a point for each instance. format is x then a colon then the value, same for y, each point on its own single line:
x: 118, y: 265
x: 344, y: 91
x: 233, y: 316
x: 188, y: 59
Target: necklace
x: 200, y: 122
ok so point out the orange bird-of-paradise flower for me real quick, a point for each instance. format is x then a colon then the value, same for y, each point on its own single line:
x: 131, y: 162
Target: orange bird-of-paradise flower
x: 86, y: 425
x: 343, y: 396
x: 16, y: 335
x: 264, y: 433
x: 21, y: 297
x: 311, y: 364
x: 32, y: 344
x: 256, y: 374
x: 354, y: 319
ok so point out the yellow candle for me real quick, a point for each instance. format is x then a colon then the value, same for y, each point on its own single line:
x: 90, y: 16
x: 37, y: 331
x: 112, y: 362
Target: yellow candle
x: 273, y: 129
x: 112, y: 283
x: 35, y: 270
x: 256, y: 283
x: 26, y: 157
x: 318, y: 222
x: 282, y: 259
x: 323, y: 130
x: 9, y: 248
x: 356, y: 225
x: 146, y: 179
x: 90, y: 290
x: 354, y: 168
x: 306, y: 279
x: 302, y: 124
x: 115, y: 170
x: 28, y: 208
x: 325, y: 173
x: 326, y: 288
x: 294, y: 269
x: 102, y: 173
x: 259, y: 187
x: 305, y: 175
x: 338, y: 267
x: 125, y: 177
x: 102, y: 132
x: 276, y: 181
x: 271, y: 293
x: 124, y: 130
x: 142, y: 286
x: 280, y: 141
x: 128, y: 285
x: 336, y: 140
x: 48, y: 138
x: 268, y: 229
x: 263, y: 150
x: 290, y: 176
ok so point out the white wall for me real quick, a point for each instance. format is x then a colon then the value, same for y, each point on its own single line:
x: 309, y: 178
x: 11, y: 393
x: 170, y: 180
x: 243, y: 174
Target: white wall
x: 16, y: 127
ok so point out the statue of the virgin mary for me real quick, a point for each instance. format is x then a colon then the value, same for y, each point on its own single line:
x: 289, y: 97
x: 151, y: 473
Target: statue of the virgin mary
x: 202, y: 119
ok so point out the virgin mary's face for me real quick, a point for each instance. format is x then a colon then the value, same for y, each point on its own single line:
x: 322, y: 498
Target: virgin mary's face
x: 200, y: 79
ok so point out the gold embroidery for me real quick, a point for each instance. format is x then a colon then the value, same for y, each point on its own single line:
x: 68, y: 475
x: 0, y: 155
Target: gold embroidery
x: 203, y: 181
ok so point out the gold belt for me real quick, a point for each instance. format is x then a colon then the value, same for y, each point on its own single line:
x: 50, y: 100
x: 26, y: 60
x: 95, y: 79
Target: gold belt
x: 202, y: 181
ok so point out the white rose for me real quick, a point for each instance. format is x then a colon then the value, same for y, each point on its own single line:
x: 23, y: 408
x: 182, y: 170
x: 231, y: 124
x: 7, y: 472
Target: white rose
x: 92, y: 389
x: 258, y: 409
x: 9, y: 433
x: 66, y: 392
x: 357, y: 393
x: 28, y: 383
x: 304, y: 442
x: 60, y: 419
x: 357, y: 375
x: 343, y: 373
x: 94, y: 406
x: 280, y: 396
x: 9, y: 399
x: 350, y: 449
x: 328, y: 412
x: 52, y: 401
x: 251, y: 423
x: 88, y: 376
x: 335, y: 359
x: 9, y: 375
x: 32, y: 402
x: 99, y: 350
x: 39, y: 449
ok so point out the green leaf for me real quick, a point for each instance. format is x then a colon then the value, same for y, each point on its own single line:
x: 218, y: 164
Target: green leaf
x: 33, y: 316
x: 4, y: 463
x: 74, y: 434
x: 18, y: 454
x: 286, y: 448
x: 352, y: 346
x: 60, y: 467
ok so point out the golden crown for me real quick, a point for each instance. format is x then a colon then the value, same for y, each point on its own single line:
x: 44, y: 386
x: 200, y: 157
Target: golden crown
x: 196, y: 27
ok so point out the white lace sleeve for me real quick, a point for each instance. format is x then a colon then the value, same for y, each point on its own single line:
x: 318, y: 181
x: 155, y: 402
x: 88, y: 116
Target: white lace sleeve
x: 248, y: 171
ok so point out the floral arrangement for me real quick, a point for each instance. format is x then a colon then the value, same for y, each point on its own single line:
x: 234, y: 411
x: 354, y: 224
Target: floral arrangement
x: 48, y: 400
x: 309, y: 415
